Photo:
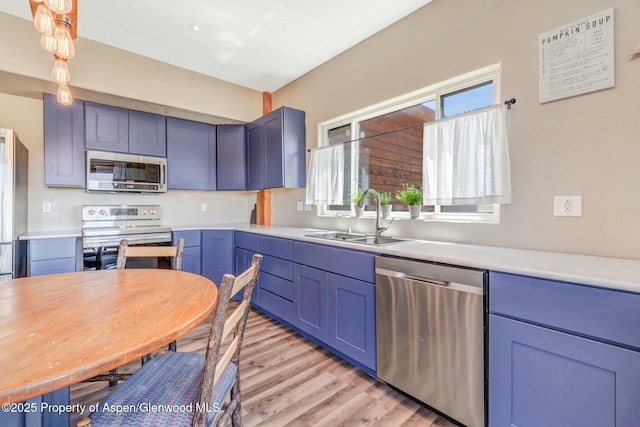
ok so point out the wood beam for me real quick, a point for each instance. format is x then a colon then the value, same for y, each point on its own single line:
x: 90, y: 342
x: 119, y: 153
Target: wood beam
x: 263, y: 199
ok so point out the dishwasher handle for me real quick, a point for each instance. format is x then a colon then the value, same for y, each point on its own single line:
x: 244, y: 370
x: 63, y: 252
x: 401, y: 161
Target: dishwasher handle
x: 454, y: 286
x: 426, y: 280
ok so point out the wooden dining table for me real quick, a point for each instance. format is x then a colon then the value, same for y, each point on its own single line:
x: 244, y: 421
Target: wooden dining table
x: 60, y: 329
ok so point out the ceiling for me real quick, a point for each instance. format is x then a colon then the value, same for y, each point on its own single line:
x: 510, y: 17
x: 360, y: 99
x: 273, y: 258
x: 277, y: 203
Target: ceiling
x: 259, y: 44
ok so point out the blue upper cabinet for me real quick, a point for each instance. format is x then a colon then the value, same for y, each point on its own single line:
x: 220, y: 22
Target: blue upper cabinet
x: 231, y: 157
x: 191, y: 155
x: 147, y: 134
x: 276, y: 150
x: 107, y: 128
x: 255, y: 155
x: 63, y: 143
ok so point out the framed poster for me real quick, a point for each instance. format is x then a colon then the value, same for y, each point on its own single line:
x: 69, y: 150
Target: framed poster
x: 577, y: 58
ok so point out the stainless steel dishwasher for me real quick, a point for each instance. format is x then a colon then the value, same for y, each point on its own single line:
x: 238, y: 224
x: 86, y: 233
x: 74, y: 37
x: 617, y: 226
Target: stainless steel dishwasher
x: 430, y: 321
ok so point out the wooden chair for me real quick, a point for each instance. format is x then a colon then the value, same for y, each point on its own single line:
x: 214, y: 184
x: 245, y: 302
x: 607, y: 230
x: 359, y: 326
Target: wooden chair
x: 193, y: 389
x: 125, y: 252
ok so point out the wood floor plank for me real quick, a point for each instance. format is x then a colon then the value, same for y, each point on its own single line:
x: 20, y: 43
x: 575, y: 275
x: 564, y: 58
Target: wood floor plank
x: 288, y: 380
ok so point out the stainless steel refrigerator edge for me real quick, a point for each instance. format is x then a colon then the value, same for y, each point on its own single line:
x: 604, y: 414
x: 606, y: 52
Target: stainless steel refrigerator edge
x: 14, y: 178
x: 430, y: 340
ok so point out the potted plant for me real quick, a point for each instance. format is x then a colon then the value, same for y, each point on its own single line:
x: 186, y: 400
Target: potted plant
x: 354, y: 197
x: 411, y: 196
x: 385, y: 204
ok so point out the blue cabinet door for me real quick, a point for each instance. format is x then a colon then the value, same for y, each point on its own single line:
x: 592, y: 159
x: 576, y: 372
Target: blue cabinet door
x: 231, y: 157
x: 352, y: 319
x: 106, y: 128
x: 191, y: 259
x: 217, y: 254
x: 310, y: 301
x: 147, y: 134
x: 542, y: 377
x: 64, y: 159
x: 191, y: 155
x: 273, y: 161
x: 255, y: 155
x: 276, y: 155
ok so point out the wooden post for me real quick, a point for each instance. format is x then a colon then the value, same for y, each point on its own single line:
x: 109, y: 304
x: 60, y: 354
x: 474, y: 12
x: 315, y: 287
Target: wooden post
x: 263, y: 199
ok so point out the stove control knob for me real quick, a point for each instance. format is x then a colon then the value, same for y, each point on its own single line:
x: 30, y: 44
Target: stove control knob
x: 143, y: 211
x: 103, y: 212
x: 92, y: 212
x: 153, y: 212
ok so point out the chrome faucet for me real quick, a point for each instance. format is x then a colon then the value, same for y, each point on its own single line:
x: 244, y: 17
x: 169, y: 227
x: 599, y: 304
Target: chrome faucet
x: 346, y: 218
x: 379, y: 228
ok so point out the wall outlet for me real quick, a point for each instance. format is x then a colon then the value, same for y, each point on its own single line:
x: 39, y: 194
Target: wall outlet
x: 204, y: 207
x: 299, y: 205
x: 567, y: 206
x: 46, y: 207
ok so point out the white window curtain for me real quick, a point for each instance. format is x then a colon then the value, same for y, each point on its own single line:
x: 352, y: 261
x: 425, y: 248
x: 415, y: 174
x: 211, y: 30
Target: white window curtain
x: 466, y: 159
x: 325, y: 176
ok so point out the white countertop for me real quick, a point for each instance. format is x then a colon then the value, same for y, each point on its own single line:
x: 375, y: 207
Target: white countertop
x: 614, y: 273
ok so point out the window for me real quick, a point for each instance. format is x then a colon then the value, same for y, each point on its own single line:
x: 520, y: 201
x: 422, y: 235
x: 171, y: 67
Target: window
x: 383, y: 144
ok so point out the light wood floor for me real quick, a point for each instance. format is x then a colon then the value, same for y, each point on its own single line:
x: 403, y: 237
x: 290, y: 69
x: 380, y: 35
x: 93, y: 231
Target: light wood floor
x: 287, y: 380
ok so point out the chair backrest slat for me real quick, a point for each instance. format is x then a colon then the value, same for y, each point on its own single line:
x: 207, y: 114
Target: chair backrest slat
x: 233, y: 320
x: 125, y: 251
x: 225, y: 358
x: 221, y: 327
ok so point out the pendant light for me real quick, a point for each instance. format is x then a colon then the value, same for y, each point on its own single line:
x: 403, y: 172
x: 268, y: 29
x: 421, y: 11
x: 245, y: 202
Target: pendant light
x: 43, y: 20
x: 59, y: 6
x: 60, y: 72
x: 47, y: 42
x: 63, y: 45
x: 56, y: 20
x: 64, y: 95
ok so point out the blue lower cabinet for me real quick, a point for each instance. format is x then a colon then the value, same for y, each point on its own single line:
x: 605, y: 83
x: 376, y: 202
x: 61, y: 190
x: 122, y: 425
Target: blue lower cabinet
x: 542, y: 377
x: 49, y: 410
x: 217, y: 254
x: 311, y: 301
x: 192, y: 255
x: 52, y: 256
x: 352, y: 319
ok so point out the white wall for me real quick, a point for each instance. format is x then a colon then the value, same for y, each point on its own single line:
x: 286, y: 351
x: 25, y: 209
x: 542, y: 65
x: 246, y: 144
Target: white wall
x: 587, y: 145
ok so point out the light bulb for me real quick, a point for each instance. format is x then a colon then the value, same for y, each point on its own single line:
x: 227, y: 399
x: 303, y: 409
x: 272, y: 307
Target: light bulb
x: 59, y: 6
x: 43, y: 20
x: 63, y: 46
x: 64, y: 95
x: 60, y: 73
x: 47, y: 41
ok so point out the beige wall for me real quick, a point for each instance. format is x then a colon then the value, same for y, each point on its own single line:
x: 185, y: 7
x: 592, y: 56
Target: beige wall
x: 587, y: 145
x: 109, y: 75
x: 584, y: 145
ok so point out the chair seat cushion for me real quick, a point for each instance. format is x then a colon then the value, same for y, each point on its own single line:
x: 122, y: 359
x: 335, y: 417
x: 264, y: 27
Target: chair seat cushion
x: 163, y: 392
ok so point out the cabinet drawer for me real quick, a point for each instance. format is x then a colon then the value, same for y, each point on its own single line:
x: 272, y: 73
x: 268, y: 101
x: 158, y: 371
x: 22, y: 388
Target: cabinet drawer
x: 275, y: 246
x: 246, y: 240
x: 40, y: 249
x: 191, y: 237
x: 356, y: 264
x: 52, y: 266
x: 611, y: 316
x: 277, y: 285
x: 277, y: 267
x: 276, y: 305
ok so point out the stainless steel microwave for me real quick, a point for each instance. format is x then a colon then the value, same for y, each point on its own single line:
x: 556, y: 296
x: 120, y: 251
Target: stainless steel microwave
x: 129, y: 173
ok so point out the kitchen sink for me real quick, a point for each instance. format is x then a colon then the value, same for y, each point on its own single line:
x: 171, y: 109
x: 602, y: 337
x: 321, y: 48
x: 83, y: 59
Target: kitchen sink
x: 377, y: 240
x: 336, y: 235
x: 366, y: 239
